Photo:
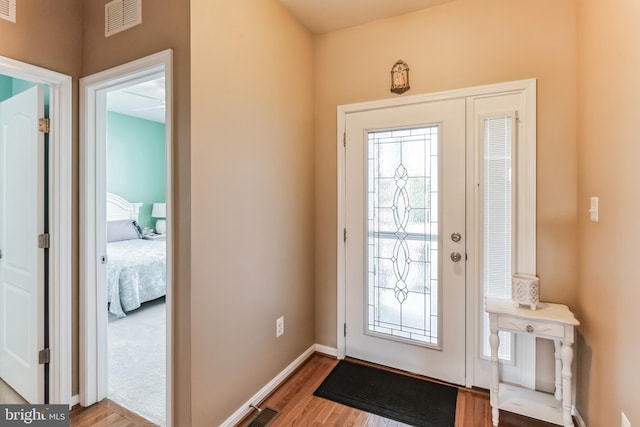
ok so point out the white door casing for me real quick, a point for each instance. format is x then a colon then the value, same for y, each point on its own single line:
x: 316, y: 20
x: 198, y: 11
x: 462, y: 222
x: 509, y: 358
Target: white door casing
x: 428, y: 207
x: 479, y: 102
x: 93, y: 296
x: 60, y: 215
x: 22, y: 185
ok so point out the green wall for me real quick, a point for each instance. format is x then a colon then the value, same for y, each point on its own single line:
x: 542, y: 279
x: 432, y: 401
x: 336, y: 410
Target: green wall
x: 5, y: 87
x: 10, y: 86
x: 136, y: 162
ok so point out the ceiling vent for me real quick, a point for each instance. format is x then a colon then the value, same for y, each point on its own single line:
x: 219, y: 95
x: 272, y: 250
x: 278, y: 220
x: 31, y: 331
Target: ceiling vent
x: 8, y: 10
x: 120, y: 15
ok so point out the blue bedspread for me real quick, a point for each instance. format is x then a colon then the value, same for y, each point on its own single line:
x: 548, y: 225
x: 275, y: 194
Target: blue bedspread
x: 136, y: 273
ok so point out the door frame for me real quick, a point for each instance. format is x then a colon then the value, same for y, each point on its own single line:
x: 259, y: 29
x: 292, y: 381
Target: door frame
x: 526, y: 206
x: 93, y: 326
x: 60, y: 214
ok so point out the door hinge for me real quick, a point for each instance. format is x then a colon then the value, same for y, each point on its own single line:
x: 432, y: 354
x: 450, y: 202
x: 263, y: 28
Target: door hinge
x: 344, y: 139
x: 345, y: 330
x: 44, y: 125
x: 43, y: 241
x: 345, y: 235
x: 44, y: 356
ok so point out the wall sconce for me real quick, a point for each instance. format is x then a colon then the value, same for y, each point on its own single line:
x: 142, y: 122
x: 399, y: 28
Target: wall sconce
x: 159, y: 210
x: 400, y: 77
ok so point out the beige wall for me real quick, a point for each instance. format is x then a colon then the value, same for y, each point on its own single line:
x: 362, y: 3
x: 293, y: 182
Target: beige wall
x: 165, y: 25
x: 608, y: 153
x: 29, y: 39
x: 455, y: 45
x: 252, y: 200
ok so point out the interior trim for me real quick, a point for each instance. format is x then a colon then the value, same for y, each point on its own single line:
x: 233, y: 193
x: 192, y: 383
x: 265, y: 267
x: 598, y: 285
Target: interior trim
x: 244, y: 410
x: 93, y: 325
x: 60, y: 213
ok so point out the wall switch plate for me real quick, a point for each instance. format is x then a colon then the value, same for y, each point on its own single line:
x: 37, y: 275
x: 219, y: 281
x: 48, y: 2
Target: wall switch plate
x: 593, y: 209
x: 279, y: 326
x: 625, y: 421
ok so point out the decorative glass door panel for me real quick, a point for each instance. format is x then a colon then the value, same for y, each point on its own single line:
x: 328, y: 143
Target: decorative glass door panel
x: 402, y: 230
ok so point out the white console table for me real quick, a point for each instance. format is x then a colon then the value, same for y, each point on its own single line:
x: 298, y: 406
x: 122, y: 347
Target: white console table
x: 550, y: 321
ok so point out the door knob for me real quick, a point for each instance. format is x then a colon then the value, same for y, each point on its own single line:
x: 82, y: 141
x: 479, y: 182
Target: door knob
x: 456, y: 237
x: 455, y: 256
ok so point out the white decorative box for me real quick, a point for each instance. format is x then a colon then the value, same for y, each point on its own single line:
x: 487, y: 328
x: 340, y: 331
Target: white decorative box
x: 524, y: 290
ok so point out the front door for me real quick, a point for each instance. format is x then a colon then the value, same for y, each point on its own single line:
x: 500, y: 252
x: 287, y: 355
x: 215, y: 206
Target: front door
x: 21, y: 261
x: 405, y: 238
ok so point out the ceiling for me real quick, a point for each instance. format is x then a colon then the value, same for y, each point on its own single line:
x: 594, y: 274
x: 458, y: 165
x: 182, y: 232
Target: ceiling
x: 322, y: 16
x: 147, y: 100
x: 144, y: 100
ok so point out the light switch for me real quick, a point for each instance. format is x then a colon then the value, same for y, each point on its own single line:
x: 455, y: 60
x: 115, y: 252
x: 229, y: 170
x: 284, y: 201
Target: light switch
x: 593, y: 209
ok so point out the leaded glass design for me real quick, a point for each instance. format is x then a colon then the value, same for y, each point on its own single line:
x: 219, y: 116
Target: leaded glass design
x: 402, y: 230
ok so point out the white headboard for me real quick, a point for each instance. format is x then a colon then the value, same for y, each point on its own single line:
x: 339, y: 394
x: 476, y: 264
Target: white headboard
x: 119, y: 208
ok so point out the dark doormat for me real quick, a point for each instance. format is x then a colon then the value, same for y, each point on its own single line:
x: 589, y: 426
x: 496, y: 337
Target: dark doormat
x: 399, y: 397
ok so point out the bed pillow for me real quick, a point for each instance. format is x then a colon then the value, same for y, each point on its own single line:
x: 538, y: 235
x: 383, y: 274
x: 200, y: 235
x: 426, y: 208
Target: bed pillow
x: 125, y: 229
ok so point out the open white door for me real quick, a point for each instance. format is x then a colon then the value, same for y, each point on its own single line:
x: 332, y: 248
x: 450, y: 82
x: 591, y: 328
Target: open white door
x: 22, y: 262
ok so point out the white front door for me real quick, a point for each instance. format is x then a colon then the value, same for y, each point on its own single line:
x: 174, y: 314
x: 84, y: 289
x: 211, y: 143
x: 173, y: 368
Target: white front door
x: 22, y: 262
x: 405, y: 244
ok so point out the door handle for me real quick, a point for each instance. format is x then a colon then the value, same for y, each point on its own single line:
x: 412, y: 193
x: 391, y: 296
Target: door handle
x: 455, y: 256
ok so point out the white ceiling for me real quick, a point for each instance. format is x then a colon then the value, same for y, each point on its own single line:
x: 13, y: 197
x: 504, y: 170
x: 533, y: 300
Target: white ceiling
x: 146, y: 100
x: 322, y: 16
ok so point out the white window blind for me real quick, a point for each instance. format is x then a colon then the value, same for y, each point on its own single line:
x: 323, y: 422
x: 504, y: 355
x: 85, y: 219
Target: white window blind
x: 497, y: 199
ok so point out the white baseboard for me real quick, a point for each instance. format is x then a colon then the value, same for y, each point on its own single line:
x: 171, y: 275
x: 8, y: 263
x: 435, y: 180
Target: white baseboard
x: 267, y: 389
x: 329, y: 351
x: 75, y: 400
x: 581, y: 422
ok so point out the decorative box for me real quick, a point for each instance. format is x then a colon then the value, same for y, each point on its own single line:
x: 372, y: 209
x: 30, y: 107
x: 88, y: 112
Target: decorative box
x: 524, y: 290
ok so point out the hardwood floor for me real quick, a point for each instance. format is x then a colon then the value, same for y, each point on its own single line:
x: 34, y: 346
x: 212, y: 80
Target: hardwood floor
x: 299, y: 407
x: 107, y: 414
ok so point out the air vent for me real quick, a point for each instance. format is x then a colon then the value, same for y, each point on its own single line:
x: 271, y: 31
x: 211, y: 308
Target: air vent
x: 263, y: 418
x: 8, y: 10
x: 120, y: 15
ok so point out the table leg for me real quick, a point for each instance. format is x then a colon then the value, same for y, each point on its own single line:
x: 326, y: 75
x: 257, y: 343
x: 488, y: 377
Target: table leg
x: 558, y: 376
x: 494, y: 342
x: 566, y: 353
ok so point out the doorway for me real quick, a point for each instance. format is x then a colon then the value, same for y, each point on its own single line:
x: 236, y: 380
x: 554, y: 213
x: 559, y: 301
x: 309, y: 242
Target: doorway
x: 126, y: 293
x: 424, y: 181
x: 35, y: 235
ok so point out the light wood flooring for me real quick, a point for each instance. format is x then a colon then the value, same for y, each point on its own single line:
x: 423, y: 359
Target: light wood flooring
x: 107, y: 414
x: 294, y: 398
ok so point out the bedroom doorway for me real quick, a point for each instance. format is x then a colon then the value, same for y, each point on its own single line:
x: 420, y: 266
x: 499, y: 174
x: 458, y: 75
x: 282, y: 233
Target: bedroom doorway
x: 35, y: 283
x: 125, y: 329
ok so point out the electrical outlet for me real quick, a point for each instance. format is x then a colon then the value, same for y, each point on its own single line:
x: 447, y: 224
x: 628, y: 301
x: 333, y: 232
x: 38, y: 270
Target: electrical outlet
x: 625, y: 421
x: 279, y: 326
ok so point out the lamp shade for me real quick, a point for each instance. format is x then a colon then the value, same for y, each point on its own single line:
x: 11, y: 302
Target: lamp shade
x: 159, y: 210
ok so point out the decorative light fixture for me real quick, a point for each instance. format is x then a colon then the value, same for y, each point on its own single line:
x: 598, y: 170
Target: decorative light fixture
x: 400, y: 77
x: 159, y: 210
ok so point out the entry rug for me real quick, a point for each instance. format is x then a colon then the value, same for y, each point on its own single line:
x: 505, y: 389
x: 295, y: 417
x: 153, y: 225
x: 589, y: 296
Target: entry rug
x: 399, y: 397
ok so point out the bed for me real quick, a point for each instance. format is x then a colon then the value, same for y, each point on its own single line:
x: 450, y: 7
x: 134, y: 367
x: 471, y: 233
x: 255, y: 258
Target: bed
x: 136, y: 267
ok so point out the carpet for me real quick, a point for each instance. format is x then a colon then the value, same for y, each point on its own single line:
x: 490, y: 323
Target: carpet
x: 399, y: 397
x: 137, y: 367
